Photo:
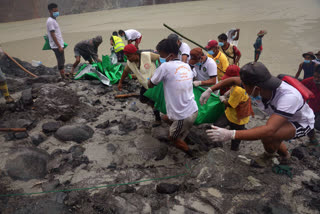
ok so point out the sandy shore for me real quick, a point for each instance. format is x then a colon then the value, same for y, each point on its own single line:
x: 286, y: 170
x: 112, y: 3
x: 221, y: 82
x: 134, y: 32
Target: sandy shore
x: 293, y: 28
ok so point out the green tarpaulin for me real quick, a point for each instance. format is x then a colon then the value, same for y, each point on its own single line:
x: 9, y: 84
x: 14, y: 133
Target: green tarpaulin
x: 46, y: 45
x: 104, y: 71
x: 207, y: 113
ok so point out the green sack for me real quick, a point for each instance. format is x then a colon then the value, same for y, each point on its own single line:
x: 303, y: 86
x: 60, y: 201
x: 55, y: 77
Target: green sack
x: 46, y: 45
x: 207, y: 113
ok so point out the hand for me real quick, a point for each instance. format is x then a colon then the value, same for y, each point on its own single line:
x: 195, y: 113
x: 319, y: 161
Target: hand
x: 196, y: 83
x: 120, y: 86
x: 220, y: 134
x: 61, y: 49
x: 222, y: 98
x: 205, y: 96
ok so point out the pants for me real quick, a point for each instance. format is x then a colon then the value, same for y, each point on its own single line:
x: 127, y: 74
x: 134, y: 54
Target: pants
x: 120, y: 56
x: 60, y: 58
x: 146, y: 100
x: 235, y: 143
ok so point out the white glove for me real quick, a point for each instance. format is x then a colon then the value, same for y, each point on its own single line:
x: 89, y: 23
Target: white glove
x: 217, y: 134
x: 205, y: 96
x: 222, y: 98
x: 196, y: 83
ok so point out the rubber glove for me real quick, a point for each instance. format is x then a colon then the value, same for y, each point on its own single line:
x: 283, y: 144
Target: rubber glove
x: 196, y: 83
x: 205, y: 96
x: 217, y: 134
x: 222, y: 98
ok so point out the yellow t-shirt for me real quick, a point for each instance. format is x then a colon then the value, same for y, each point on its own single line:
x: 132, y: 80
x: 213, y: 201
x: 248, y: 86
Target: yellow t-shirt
x: 222, y: 63
x: 237, y: 96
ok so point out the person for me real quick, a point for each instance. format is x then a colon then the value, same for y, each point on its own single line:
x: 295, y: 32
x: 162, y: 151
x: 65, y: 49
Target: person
x: 238, y: 106
x: 205, y: 68
x: 317, y: 59
x: 177, y: 78
x: 313, y: 84
x: 117, y: 46
x: 218, y: 57
x: 3, y: 84
x: 132, y: 36
x: 55, y: 37
x: 290, y: 116
x: 184, y: 49
x: 307, y: 66
x: 232, y: 52
x: 258, y: 44
x: 233, y: 36
x: 143, y: 65
x: 88, y: 49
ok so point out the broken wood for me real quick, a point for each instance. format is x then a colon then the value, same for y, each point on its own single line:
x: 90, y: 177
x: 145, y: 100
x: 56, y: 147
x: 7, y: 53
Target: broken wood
x: 126, y: 95
x: 13, y: 129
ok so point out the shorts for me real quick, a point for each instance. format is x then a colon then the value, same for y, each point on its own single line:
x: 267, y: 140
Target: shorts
x: 181, y: 128
x: 300, y: 130
x: 137, y: 41
x: 144, y: 99
x: 77, y: 53
x: 60, y: 58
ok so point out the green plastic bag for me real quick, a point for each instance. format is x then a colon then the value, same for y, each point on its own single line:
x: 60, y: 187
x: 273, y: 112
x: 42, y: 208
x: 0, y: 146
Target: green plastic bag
x: 207, y: 113
x: 46, y: 45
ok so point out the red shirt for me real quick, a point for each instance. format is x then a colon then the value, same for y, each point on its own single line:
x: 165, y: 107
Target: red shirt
x: 312, y: 86
x: 236, y: 51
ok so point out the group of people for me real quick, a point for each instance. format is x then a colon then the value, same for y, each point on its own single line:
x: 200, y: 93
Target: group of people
x: 181, y: 68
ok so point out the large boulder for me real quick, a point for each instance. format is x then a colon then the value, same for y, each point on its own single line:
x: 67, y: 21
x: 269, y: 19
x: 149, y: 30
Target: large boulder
x: 27, y: 163
x: 150, y: 148
x: 76, y: 133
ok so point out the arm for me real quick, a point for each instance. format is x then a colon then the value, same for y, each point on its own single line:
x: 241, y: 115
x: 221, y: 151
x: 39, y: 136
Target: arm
x: 299, y: 71
x: 237, y: 54
x: 150, y: 84
x: 211, y: 81
x: 226, y: 83
x: 237, y: 33
x: 125, y: 73
x: 184, y: 58
x: 53, y: 35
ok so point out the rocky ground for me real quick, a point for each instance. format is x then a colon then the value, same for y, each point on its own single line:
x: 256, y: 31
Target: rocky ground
x: 79, y: 136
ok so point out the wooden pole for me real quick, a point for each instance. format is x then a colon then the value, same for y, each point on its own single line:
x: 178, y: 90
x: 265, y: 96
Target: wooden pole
x: 126, y: 95
x: 184, y: 37
x: 13, y: 129
x: 25, y: 70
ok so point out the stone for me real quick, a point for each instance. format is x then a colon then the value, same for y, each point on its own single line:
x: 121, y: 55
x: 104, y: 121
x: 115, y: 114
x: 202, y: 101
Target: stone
x: 160, y: 133
x: 124, y: 189
x: 26, y: 97
x: 103, y: 125
x: 166, y: 188
x: 23, y: 123
x: 150, y: 148
x: 37, y: 139
x: 108, y: 132
x: 76, y: 133
x: 50, y: 185
x: 27, y: 163
x: 20, y: 135
x: 111, y: 148
x: 313, y: 185
x: 51, y: 127
x: 128, y: 125
x: 76, y: 151
x: 300, y: 152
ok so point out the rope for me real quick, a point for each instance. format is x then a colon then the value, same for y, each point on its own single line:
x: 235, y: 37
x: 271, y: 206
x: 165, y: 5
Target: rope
x: 98, y: 187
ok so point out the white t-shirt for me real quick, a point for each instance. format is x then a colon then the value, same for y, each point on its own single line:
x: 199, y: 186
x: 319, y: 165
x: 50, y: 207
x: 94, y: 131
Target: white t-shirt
x: 206, y: 70
x: 132, y: 34
x: 184, y: 49
x: 288, y: 102
x: 178, y: 89
x: 52, y: 24
x: 317, y: 61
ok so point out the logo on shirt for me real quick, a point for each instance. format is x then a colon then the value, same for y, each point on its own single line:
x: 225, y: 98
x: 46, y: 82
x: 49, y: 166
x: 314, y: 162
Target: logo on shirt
x: 147, y: 66
x: 205, y: 69
x: 217, y: 61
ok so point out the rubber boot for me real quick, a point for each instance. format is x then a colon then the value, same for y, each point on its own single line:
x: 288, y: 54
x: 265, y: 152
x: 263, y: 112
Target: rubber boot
x: 4, y: 90
x: 180, y: 144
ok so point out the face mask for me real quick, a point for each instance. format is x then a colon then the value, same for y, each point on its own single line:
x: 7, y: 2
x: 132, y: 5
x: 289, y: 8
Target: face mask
x: 256, y: 101
x: 55, y: 14
x: 307, y: 61
x: 210, y: 52
x: 199, y: 64
x: 221, y: 44
x: 162, y: 60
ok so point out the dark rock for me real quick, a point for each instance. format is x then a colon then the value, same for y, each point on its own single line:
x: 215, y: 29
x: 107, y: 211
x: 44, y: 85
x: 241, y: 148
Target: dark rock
x: 145, y: 190
x: 316, y: 151
x: 150, y: 148
x: 300, y: 152
x: 112, y: 166
x: 166, y: 188
x: 27, y: 163
x: 24, y: 123
x: 50, y: 185
x: 21, y: 135
x: 128, y: 125
x: 315, y: 203
x: 26, y: 97
x: 9, y: 137
x: 61, y: 197
x: 76, y: 151
x: 124, y: 189
x: 76, y: 133
x: 313, y: 185
x: 107, y: 132
x: 37, y: 139
x: 111, y: 148
x: 103, y: 125
x: 50, y: 127
x: 96, y: 102
x: 199, y: 137
x: 160, y: 133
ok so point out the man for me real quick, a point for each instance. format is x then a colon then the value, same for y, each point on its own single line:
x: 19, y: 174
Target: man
x: 55, y: 37
x: 177, y: 78
x: 313, y: 84
x: 184, y: 49
x: 88, y: 49
x: 307, y: 65
x: 290, y: 117
x: 132, y: 36
x: 205, y: 68
x: 143, y: 65
x: 117, y: 46
x: 3, y: 84
x: 317, y: 59
x: 232, y: 52
x: 218, y: 57
x: 233, y: 36
x: 258, y: 45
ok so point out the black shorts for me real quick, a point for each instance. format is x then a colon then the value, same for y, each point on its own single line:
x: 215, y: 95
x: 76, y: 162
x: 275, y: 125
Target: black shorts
x: 60, y: 58
x: 143, y: 98
x: 300, y: 130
